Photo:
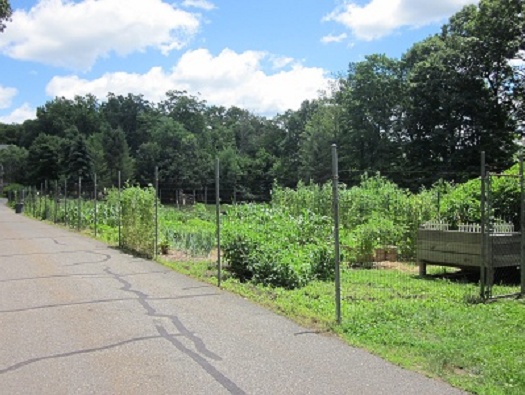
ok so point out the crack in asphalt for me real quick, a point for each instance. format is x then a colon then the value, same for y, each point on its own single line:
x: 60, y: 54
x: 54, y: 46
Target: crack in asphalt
x: 81, y: 275
x: 36, y: 238
x: 106, y: 256
x: 54, y: 306
x: 142, y: 298
x: 58, y: 305
x: 199, y: 359
x: 77, y: 352
x: 200, y: 346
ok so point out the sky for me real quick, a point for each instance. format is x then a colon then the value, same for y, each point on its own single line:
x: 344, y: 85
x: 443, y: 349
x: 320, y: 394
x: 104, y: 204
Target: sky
x: 266, y: 56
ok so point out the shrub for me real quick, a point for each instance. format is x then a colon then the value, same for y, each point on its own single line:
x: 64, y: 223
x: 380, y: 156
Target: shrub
x: 138, y: 219
x: 374, y: 213
x: 463, y: 202
x: 268, y: 245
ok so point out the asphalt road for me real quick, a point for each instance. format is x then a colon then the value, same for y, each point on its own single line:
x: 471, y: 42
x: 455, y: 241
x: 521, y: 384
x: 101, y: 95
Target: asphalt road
x: 77, y: 317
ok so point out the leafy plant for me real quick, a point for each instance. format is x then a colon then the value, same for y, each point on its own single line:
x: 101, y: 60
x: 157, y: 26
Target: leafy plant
x: 253, y: 245
x: 138, y: 219
x: 462, y: 203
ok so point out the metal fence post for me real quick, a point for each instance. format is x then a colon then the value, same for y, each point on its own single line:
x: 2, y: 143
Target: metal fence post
x: 156, y: 211
x: 79, y: 202
x: 335, y: 197
x: 522, y: 226
x: 45, y: 200
x: 119, y: 211
x: 482, y: 273
x: 65, y: 203
x: 55, y: 214
x: 40, y: 201
x: 32, y: 200
x: 218, y: 220
x: 95, y: 201
x: 489, y: 263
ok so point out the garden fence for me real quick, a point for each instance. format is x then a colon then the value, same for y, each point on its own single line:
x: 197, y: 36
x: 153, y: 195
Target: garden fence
x: 393, y: 241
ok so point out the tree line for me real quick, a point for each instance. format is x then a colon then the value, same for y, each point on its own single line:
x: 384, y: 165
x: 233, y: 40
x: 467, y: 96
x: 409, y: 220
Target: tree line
x: 424, y: 116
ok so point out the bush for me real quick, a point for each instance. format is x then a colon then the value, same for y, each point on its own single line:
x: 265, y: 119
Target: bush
x: 374, y: 213
x: 138, y: 219
x: 463, y: 202
x: 270, y: 246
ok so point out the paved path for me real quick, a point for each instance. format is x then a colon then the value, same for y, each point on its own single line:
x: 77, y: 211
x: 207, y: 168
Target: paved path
x: 77, y: 317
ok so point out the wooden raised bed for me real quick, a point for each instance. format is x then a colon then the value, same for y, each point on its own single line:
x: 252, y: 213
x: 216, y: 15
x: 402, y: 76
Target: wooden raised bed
x: 463, y: 250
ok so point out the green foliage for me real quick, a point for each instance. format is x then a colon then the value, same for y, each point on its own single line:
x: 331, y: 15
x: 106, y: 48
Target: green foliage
x: 376, y: 213
x: 5, y: 13
x: 462, y: 203
x: 15, y: 194
x: 190, y: 230
x: 376, y: 232
x: 138, y: 219
x: 253, y: 239
x: 116, y: 155
x: 13, y: 159
x: 107, y: 233
x: 45, y: 158
x: 13, y: 187
x: 371, y: 104
x: 315, y: 146
x: 80, y: 160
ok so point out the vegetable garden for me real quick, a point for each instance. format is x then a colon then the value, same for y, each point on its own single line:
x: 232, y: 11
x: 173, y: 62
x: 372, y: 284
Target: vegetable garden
x: 281, y: 254
x: 289, y: 241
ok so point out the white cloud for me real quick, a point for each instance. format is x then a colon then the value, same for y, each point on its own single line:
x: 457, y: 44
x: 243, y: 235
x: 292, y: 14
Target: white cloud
x: 203, y: 4
x: 227, y: 79
x: 334, y: 39
x: 75, y: 34
x: 380, y: 18
x: 19, y: 115
x: 280, y: 62
x: 6, y: 96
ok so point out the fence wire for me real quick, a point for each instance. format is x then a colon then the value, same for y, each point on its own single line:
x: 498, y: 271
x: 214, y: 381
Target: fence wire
x: 398, y: 241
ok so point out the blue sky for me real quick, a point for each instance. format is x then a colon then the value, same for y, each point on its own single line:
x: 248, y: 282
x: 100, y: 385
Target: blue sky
x: 263, y: 55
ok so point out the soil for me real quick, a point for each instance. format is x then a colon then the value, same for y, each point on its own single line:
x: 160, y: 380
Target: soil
x: 181, y: 256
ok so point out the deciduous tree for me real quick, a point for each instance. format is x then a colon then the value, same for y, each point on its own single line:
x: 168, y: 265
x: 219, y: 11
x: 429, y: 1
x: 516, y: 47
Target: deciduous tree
x: 5, y: 13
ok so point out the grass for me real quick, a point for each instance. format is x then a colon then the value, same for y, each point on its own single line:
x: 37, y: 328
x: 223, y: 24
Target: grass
x: 426, y: 325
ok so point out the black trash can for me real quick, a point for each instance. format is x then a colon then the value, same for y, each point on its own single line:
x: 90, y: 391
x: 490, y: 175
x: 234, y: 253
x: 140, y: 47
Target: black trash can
x: 19, y: 207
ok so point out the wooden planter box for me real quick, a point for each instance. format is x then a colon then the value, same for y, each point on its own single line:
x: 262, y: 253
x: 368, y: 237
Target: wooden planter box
x: 463, y: 250
x: 385, y: 254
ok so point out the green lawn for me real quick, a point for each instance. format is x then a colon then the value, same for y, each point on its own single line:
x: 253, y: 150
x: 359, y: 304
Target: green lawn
x: 427, y: 325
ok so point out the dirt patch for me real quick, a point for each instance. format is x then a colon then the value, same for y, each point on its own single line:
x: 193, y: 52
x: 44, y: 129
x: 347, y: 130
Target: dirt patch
x: 181, y: 256
x: 400, y: 266
x: 385, y: 265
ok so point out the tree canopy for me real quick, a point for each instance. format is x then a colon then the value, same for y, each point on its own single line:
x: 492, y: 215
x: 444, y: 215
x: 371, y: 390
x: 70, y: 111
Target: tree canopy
x: 5, y: 13
x: 416, y: 119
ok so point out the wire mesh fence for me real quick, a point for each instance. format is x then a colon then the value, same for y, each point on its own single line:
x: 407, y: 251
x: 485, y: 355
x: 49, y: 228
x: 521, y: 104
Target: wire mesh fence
x: 502, y: 233
x: 395, y: 241
x: 381, y: 239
